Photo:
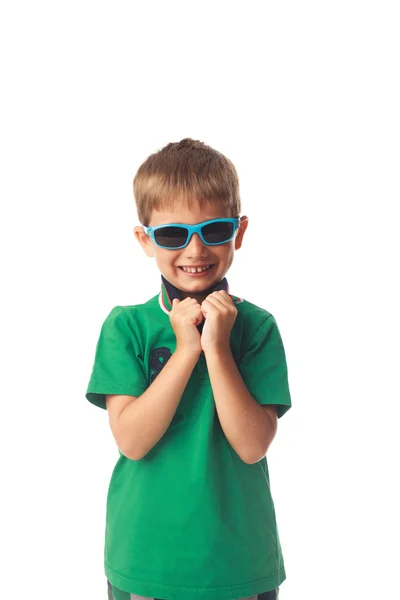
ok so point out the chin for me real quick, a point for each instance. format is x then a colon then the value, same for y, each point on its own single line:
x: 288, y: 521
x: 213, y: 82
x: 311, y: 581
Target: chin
x: 192, y: 285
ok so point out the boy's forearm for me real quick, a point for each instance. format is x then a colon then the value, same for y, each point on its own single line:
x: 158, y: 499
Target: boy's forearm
x: 247, y: 427
x: 144, y: 421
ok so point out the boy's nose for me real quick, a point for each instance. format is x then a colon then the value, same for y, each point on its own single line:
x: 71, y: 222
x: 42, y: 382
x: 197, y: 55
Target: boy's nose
x: 195, y: 246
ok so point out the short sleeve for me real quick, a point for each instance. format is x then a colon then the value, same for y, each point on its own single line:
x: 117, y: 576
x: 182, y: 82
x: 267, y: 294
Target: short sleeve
x: 118, y: 366
x: 263, y: 367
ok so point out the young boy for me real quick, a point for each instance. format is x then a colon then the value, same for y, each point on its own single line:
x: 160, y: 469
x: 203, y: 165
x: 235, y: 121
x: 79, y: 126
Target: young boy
x: 194, y: 381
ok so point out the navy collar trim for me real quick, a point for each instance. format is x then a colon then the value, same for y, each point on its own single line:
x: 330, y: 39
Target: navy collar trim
x: 169, y: 292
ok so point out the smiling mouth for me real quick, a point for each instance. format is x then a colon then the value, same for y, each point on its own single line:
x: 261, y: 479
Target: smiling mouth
x: 193, y: 270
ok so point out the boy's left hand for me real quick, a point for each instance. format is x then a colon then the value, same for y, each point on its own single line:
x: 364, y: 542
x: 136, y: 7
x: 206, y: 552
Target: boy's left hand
x: 220, y: 313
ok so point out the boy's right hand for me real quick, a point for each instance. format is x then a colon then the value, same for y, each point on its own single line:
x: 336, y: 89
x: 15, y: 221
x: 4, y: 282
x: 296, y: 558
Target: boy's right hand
x: 184, y: 316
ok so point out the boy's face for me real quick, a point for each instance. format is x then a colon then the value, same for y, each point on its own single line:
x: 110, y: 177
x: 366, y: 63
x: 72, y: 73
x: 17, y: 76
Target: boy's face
x: 195, y: 254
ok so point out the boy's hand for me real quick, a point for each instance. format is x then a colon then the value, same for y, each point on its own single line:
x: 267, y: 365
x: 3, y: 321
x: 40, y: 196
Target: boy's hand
x: 220, y: 314
x: 185, y: 315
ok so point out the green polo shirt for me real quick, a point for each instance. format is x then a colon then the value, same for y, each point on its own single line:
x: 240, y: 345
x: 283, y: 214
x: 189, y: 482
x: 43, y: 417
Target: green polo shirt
x: 190, y: 520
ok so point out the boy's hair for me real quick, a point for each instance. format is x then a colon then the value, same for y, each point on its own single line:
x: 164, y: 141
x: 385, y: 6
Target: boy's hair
x: 185, y: 172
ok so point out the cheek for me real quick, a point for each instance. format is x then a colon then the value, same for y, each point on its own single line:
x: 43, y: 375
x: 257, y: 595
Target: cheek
x: 227, y: 254
x: 165, y: 258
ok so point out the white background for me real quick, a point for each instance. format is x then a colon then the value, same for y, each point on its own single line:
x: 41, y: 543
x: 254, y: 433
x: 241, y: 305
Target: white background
x: 304, y: 98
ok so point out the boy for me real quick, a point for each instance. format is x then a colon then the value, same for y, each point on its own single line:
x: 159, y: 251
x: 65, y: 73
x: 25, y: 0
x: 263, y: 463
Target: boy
x: 194, y: 381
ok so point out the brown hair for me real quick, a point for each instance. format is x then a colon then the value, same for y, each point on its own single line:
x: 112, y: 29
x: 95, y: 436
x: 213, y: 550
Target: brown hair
x: 185, y: 172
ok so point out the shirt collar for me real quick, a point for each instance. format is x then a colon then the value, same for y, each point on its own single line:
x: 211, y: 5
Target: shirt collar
x: 169, y: 292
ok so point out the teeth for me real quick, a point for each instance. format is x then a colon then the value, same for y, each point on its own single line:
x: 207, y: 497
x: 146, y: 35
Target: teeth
x: 198, y: 270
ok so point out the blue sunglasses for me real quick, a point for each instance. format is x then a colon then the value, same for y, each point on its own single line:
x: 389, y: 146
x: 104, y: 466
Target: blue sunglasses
x: 175, y: 235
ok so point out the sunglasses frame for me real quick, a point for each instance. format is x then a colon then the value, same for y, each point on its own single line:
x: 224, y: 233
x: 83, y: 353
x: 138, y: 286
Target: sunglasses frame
x: 192, y: 229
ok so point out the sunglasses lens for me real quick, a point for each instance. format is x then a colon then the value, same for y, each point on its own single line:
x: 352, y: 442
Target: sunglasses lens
x: 215, y: 233
x: 171, y: 237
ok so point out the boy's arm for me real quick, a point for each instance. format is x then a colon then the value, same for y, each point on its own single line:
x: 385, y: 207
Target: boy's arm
x: 144, y: 420
x: 248, y: 426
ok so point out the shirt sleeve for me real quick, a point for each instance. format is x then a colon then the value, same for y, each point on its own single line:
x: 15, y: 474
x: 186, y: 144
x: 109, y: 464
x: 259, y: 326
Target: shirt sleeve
x: 263, y: 367
x: 118, y: 367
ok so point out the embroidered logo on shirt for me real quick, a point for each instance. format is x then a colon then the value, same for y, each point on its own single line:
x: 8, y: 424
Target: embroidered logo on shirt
x: 158, y: 359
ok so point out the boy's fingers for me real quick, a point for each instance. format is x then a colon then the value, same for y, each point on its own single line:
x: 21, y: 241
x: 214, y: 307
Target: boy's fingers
x: 186, y: 301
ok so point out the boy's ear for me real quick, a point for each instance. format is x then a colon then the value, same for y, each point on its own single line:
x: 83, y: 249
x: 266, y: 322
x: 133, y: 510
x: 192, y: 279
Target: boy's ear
x: 143, y: 240
x: 244, y: 221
